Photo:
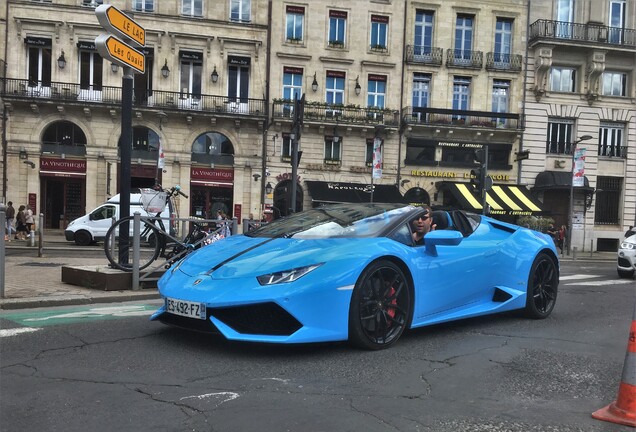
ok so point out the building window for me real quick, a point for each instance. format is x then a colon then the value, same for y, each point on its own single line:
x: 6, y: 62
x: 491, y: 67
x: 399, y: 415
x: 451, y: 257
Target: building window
x: 92, y: 3
x: 192, y: 8
x: 238, y: 80
x: 332, y: 148
x: 420, y: 152
x: 337, y: 28
x: 562, y: 79
x: 463, y: 37
x: 191, y: 69
x: 379, y: 32
x: 503, y: 40
x: 461, y: 96
x: 500, y: 100
x: 608, y: 200
x: 144, y: 5
x: 421, y: 93
x: 64, y: 133
x: 610, y: 142
x: 286, y: 149
x: 39, y: 73
x: 295, y: 21
x: 91, y: 68
x: 423, y: 43
x: 614, y: 84
x: 564, y: 18
x: 292, y: 83
x: 145, y: 139
x: 559, y: 139
x: 368, y: 154
x: 240, y: 10
x: 617, y: 21
x: 376, y: 91
x: 334, y: 87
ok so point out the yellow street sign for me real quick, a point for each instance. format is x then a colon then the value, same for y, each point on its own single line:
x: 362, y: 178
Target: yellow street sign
x: 115, y: 21
x: 117, y: 51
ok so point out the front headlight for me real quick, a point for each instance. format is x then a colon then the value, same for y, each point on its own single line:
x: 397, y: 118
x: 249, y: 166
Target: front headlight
x: 177, y: 265
x: 628, y: 245
x: 287, y: 275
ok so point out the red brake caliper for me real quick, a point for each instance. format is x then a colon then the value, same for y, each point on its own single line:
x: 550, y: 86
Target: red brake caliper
x: 391, y: 311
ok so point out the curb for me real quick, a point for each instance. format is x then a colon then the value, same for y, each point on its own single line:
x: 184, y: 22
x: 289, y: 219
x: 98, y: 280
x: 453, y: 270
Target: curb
x: 38, y: 302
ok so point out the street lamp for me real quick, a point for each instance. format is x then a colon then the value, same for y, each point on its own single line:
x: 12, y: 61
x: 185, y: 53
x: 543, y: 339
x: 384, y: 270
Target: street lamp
x: 571, y: 215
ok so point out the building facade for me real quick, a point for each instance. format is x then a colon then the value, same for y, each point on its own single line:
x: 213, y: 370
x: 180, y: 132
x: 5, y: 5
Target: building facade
x: 428, y: 86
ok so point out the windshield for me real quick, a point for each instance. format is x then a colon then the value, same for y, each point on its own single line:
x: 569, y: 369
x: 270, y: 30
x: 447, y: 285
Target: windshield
x: 340, y: 220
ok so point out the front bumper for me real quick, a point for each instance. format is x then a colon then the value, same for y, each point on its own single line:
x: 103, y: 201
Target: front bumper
x: 70, y: 235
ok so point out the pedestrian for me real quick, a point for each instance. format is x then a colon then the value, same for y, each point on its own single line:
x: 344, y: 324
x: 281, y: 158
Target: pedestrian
x: 29, y: 221
x: 21, y: 224
x: 630, y: 232
x: 10, y: 214
x: 552, y: 232
x: 561, y: 237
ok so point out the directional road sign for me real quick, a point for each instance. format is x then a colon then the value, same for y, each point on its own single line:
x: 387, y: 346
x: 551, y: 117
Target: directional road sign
x: 115, y: 21
x: 117, y: 51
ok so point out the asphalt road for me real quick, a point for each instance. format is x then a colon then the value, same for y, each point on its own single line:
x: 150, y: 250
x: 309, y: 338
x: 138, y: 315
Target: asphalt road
x: 105, y: 368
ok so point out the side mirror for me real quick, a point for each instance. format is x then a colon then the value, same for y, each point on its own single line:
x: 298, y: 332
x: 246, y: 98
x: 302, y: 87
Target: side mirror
x: 91, y: 217
x: 441, y: 238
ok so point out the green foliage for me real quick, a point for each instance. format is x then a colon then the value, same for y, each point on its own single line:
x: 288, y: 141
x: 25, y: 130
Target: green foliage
x: 537, y: 223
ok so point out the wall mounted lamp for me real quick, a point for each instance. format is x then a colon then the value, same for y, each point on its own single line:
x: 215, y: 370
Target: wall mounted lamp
x: 268, y: 188
x: 61, y: 61
x: 29, y: 163
x: 405, y: 181
x: 165, y: 71
x: 114, y: 67
x: 358, y: 88
x: 314, y: 84
x: 256, y: 177
x: 23, y: 153
x: 215, y: 75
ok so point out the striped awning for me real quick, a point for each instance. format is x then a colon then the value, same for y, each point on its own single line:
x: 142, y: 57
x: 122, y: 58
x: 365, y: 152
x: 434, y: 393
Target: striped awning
x: 513, y: 200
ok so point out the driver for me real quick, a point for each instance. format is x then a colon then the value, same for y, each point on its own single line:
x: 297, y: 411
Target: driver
x: 422, y: 225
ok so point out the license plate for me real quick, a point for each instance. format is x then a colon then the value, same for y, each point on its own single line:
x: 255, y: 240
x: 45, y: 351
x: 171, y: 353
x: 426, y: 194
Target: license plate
x: 185, y: 308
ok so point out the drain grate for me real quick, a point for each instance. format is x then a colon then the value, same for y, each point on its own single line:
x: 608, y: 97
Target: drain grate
x: 41, y: 264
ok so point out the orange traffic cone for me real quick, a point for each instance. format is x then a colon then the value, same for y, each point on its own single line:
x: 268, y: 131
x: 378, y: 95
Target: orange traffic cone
x: 623, y: 410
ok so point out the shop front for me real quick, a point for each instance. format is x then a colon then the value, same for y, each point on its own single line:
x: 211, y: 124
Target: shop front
x: 62, y: 191
x: 211, y: 191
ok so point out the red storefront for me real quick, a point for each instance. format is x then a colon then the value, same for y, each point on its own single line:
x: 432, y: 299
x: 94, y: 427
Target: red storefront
x: 62, y: 190
x: 211, y: 189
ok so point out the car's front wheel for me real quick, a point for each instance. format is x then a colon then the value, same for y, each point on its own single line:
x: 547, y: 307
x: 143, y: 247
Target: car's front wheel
x: 543, y: 283
x: 381, y: 306
x: 83, y: 238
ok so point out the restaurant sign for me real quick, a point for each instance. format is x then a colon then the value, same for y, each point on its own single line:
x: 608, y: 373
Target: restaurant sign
x: 62, y: 167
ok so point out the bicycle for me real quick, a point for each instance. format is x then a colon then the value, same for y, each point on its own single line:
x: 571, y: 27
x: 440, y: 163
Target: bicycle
x: 154, y: 240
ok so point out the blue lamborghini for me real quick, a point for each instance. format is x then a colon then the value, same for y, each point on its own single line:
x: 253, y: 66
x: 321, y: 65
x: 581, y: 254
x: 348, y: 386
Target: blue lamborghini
x: 352, y: 272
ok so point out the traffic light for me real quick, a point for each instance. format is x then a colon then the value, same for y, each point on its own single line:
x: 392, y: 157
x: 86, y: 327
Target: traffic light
x: 476, y: 179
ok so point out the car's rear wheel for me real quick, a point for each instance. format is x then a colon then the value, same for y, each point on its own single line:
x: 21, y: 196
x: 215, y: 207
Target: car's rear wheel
x: 83, y: 238
x: 625, y: 273
x: 381, y: 306
x: 543, y: 283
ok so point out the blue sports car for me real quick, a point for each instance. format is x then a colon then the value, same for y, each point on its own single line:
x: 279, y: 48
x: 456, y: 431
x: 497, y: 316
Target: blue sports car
x: 353, y: 272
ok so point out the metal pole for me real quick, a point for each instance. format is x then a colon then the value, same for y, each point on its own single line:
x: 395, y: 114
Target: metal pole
x: 3, y: 218
x: 135, y: 257
x: 125, y: 151
x: 40, y: 234
x: 571, y: 207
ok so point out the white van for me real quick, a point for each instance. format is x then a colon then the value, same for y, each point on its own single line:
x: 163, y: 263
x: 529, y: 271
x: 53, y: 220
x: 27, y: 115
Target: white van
x: 93, y: 226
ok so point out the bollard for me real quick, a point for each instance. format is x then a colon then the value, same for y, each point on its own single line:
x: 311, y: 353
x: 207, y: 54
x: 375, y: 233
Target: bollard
x: 40, y: 231
x: 591, y: 245
x: 136, y: 245
x: 3, y: 218
x: 32, y: 238
x: 574, y: 252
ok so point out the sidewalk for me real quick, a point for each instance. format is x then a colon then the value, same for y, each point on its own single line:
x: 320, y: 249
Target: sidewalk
x: 32, y: 281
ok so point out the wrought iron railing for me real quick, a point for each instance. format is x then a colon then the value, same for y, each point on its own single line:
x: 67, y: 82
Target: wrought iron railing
x: 68, y: 92
x: 464, y: 58
x: 613, y: 151
x: 424, y: 55
x: 337, y: 114
x: 461, y: 118
x: 504, y: 62
x: 591, y: 32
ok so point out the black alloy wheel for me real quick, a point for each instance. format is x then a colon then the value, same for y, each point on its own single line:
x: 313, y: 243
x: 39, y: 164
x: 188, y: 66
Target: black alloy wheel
x: 381, y: 306
x: 543, y: 284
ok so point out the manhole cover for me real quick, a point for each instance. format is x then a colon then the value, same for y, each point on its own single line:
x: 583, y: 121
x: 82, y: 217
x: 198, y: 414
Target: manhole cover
x: 41, y: 264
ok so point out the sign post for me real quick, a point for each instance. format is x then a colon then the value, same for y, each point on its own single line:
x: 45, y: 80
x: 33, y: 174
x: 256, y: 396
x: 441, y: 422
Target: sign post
x: 116, y: 23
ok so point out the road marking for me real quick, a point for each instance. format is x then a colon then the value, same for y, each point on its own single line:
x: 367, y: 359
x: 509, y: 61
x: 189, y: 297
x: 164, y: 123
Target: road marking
x: 603, y: 282
x: 75, y: 315
x: 578, y: 276
x: 224, y: 396
x: 17, y: 331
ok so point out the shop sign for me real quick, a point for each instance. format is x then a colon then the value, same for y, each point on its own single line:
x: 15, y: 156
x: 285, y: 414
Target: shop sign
x: 237, y: 212
x: 212, y: 174
x: 33, y: 201
x: 62, y: 167
x: 450, y: 174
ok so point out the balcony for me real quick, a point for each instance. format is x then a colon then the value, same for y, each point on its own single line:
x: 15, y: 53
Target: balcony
x: 592, y: 33
x: 504, y: 62
x: 321, y: 112
x: 459, y: 118
x: 55, y: 92
x: 464, y: 59
x: 424, y: 55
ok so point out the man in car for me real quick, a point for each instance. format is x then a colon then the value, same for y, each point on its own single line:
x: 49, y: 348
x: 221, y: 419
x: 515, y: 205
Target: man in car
x: 422, y: 225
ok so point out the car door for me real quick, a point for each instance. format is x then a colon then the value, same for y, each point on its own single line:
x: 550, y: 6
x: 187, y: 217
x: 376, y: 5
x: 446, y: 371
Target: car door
x: 101, y: 220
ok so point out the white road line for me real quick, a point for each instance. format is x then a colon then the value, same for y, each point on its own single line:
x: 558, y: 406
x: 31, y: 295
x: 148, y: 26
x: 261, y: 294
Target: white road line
x: 224, y: 396
x: 578, y: 276
x: 602, y: 283
x: 17, y: 331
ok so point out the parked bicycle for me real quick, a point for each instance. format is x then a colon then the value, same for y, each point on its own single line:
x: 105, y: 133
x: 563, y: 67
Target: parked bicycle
x: 155, y: 240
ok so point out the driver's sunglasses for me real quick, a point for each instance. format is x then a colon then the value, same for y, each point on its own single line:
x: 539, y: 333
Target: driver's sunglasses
x: 423, y: 217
